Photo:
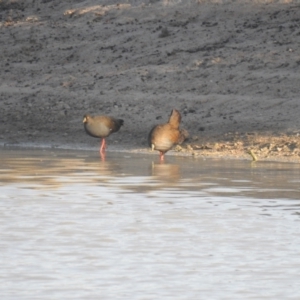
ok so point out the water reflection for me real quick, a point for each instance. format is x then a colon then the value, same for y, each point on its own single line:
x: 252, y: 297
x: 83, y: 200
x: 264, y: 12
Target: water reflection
x: 53, y: 169
x: 75, y: 226
x: 220, y: 181
x: 166, y: 172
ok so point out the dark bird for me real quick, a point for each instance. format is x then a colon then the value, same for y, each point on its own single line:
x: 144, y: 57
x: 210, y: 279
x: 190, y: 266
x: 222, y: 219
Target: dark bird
x: 163, y: 137
x: 101, y: 127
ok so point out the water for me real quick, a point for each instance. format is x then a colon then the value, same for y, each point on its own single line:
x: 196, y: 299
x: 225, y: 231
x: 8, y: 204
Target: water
x: 75, y: 227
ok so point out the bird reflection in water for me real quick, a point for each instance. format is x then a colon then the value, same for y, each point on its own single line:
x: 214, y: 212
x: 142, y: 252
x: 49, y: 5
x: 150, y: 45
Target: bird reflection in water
x: 104, y: 167
x: 166, y: 172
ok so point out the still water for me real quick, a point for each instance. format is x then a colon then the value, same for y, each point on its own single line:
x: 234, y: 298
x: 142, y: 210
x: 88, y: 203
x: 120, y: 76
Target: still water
x: 73, y: 226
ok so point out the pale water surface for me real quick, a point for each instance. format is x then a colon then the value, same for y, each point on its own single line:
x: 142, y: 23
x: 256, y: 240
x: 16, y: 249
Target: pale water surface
x: 73, y: 226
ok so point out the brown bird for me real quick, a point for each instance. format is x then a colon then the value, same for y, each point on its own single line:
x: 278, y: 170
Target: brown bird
x: 101, y: 127
x: 164, y: 136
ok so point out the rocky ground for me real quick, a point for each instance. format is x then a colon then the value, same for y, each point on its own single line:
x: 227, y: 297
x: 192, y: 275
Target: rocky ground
x: 230, y: 67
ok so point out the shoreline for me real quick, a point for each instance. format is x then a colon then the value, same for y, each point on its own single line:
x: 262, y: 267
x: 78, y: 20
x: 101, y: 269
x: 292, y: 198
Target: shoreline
x: 184, y: 150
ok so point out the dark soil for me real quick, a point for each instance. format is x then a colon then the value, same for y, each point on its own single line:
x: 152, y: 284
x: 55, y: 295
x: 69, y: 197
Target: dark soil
x: 231, y: 69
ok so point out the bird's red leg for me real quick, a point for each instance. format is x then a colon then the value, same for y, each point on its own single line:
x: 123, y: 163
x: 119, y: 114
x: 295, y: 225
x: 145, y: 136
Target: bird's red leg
x: 103, y: 146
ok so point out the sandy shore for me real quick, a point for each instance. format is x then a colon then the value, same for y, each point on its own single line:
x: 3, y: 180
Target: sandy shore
x: 232, y: 69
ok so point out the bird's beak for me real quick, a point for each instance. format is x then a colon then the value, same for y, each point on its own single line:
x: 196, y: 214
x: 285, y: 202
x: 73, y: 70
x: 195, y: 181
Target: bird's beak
x: 84, y: 120
x: 152, y: 147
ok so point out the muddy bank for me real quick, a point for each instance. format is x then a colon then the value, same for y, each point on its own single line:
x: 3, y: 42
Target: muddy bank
x: 232, y: 69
